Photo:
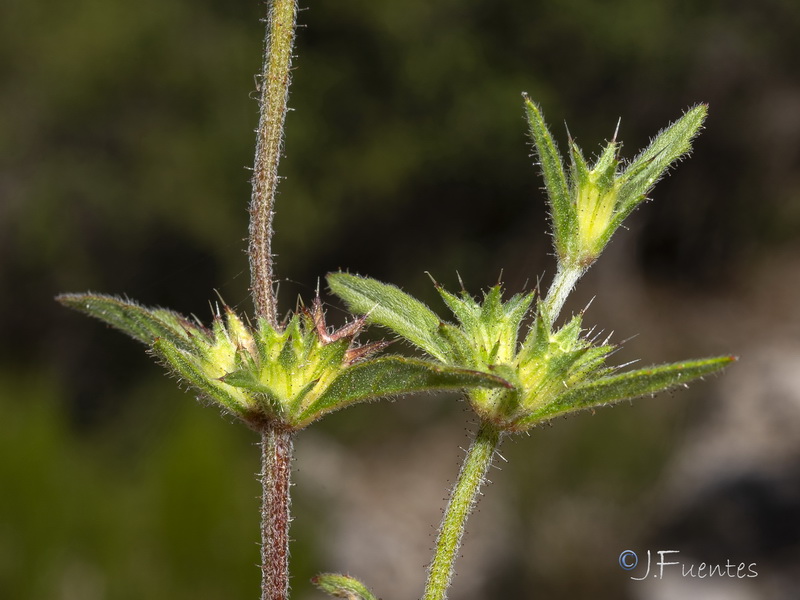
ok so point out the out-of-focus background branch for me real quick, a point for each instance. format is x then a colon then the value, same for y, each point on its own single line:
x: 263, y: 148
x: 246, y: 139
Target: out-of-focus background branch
x: 125, y: 134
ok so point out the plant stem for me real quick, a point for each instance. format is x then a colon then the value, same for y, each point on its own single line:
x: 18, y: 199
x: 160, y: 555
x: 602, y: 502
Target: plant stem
x: 276, y: 463
x: 462, y: 500
x: 274, y: 88
x: 276, y: 443
x: 563, y: 283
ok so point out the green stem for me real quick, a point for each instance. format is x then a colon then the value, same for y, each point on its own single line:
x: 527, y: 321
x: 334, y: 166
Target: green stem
x: 274, y: 88
x: 563, y: 283
x: 276, y: 464
x: 462, y: 500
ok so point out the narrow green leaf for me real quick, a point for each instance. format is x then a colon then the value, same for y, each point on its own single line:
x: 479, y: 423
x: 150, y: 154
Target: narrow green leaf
x: 143, y: 324
x: 671, y: 144
x: 628, y: 385
x: 342, y: 586
x: 389, y: 306
x: 555, y: 180
x: 393, y: 375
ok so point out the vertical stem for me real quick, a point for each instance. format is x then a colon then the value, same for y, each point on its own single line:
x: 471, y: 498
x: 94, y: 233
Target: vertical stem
x: 274, y: 88
x: 276, y: 463
x: 563, y: 283
x: 462, y: 500
x: 276, y: 443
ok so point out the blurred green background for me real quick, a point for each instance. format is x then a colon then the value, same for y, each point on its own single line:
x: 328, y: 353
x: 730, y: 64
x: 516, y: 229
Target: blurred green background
x: 125, y: 137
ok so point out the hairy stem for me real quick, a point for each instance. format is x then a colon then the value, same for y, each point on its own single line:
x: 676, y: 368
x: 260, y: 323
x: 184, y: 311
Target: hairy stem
x: 276, y: 463
x: 274, y: 89
x: 563, y: 283
x: 462, y: 500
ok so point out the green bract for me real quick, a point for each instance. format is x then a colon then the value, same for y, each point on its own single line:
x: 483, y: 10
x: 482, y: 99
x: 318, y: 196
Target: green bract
x: 590, y: 203
x: 285, y: 377
x: 552, y: 371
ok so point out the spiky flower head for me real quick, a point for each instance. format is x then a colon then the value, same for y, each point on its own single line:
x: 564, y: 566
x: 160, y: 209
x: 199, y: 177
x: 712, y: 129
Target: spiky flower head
x: 274, y: 376
x: 552, y: 371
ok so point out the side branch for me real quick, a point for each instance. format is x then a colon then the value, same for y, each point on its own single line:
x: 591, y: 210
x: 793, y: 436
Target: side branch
x: 462, y: 500
x: 274, y: 88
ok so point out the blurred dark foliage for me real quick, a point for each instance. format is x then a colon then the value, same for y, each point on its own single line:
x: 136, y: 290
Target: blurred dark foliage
x: 127, y: 132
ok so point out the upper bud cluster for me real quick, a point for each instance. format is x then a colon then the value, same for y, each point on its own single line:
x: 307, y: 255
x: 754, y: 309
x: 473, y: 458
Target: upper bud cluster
x: 588, y: 203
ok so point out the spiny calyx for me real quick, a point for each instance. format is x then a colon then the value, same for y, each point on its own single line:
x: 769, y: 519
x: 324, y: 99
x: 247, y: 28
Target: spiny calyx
x: 551, y: 371
x: 275, y: 376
